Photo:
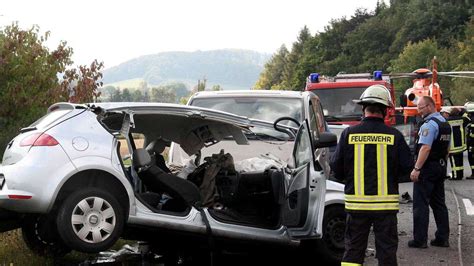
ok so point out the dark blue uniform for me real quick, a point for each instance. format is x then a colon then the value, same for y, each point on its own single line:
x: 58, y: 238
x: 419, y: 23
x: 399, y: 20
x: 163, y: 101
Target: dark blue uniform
x: 470, y: 143
x: 371, y: 157
x: 429, y: 190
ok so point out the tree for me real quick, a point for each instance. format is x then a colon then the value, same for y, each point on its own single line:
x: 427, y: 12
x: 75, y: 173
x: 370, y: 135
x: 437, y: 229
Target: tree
x: 28, y: 77
x: 201, y: 86
x: 116, y: 96
x: 108, y: 92
x: 272, y: 75
x: 291, y: 79
x: 216, y: 88
x: 126, y: 96
x: 462, y: 90
x: 82, y: 84
x: 137, y: 96
x: 162, y: 95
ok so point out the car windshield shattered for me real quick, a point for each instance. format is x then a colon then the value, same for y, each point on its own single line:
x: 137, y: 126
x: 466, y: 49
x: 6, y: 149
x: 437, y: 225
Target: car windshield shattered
x: 264, y: 143
x: 267, y: 109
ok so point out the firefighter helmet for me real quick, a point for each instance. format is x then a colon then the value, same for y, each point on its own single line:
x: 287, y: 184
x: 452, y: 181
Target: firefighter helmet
x: 375, y: 94
x: 469, y: 107
x: 445, y: 109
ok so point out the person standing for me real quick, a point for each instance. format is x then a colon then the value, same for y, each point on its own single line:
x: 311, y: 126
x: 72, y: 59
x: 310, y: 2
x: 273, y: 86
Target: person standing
x: 470, y: 137
x: 371, y: 157
x: 458, y: 143
x: 428, y: 175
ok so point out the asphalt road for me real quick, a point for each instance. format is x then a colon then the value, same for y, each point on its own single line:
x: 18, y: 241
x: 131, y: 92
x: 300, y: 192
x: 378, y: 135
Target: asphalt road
x: 459, y: 200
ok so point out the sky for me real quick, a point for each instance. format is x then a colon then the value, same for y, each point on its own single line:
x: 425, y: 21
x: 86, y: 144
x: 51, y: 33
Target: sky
x: 115, y: 31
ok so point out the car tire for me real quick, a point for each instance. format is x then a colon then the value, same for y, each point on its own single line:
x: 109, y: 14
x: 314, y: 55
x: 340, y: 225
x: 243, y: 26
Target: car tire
x: 42, y: 238
x: 90, y: 220
x: 334, y: 225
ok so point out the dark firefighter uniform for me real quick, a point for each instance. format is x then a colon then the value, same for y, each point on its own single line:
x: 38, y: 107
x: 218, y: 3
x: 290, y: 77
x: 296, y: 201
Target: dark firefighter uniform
x: 371, y: 157
x: 470, y: 144
x: 458, y: 145
x: 429, y: 190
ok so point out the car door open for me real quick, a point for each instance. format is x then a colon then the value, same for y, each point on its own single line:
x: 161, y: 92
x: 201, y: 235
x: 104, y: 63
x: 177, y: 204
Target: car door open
x: 303, y: 208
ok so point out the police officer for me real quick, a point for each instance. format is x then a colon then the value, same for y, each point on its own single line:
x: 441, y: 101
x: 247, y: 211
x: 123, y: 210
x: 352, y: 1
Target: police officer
x: 470, y: 136
x: 370, y: 157
x: 458, y: 143
x: 428, y: 176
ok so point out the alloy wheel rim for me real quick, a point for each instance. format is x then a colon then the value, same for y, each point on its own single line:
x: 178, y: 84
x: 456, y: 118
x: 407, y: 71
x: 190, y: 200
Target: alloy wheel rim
x: 93, y: 220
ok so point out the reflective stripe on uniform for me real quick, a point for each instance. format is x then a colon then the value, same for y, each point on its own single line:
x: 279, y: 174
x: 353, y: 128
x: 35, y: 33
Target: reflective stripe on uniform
x: 462, y: 147
x: 382, y: 169
x: 350, y: 264
x: 372, y: 206
x: 381, y: 201
x: 372, y: 198
x: 359, y: 169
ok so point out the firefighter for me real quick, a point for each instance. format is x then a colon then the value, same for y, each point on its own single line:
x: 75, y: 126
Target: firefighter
x: 428, y: 175
x: 458, y: 143
x: 445, y: 112
x: 370, y: 158
x: 470, y: 137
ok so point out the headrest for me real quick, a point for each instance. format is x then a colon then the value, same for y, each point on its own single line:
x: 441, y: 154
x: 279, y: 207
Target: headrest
x: 141, y: 158
x: 157, y: 146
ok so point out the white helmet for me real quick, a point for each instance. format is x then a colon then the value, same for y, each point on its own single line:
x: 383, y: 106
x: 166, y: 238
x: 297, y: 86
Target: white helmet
x: 469, y: 107
x: 445, y: 109
x: 375, y: 94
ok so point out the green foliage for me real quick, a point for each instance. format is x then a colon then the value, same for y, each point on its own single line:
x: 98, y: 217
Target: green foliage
x: 28, y: 83
x: 399, y: 37
x: 28, y: 78
x: 201, y: 86
x: 162, y: 95
x: 462, y: 90
x: 216, y: 88
x: 272, y: 75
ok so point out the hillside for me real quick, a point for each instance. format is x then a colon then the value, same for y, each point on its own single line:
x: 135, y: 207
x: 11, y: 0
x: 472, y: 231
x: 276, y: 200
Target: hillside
x: 231, y: 69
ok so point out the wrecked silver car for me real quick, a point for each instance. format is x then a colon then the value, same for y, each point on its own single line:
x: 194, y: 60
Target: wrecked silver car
x: 85, y: 175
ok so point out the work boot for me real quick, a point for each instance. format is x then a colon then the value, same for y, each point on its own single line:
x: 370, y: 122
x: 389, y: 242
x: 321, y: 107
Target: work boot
x: 440, y: 243
x: 416, y: 244
x: 470, y: 177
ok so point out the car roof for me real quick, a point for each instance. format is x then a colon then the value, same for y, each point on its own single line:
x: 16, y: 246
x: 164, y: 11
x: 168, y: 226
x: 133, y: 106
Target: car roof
x: 249, y: 93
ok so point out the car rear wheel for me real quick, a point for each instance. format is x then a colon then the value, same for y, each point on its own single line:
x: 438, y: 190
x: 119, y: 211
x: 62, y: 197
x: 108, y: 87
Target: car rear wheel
x: 90, y: 220
x: 42, y: 238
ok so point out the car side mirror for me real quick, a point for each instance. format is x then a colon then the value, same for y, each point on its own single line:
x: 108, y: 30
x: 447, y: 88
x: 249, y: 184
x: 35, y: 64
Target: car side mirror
x: 403, y: 100
x: 326, y: 139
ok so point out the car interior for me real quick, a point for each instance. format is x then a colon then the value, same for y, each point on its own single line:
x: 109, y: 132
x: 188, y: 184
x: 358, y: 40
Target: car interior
x: 248, y: 198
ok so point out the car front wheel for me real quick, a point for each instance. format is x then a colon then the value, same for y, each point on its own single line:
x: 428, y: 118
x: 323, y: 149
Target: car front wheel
x: 90, y: 220
x: 334, y: 225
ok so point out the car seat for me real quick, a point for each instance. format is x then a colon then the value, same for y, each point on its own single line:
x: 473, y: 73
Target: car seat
x: 158, y: 181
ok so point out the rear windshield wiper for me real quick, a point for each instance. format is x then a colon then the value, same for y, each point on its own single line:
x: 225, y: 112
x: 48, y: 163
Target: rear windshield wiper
x: 26, y: 129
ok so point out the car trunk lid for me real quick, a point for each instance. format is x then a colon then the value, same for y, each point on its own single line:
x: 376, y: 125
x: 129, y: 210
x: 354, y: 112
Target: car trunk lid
x: 18, y: 147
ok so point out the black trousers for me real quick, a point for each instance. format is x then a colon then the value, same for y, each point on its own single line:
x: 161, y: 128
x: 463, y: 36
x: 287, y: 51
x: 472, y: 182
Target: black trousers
x: 457, y: 165
x: 429, y: 191
x: 357, y: 233
x: 470, y: 156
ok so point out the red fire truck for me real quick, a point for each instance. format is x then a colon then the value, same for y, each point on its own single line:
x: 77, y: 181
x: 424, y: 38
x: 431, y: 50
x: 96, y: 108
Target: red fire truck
x: 336, y: 95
